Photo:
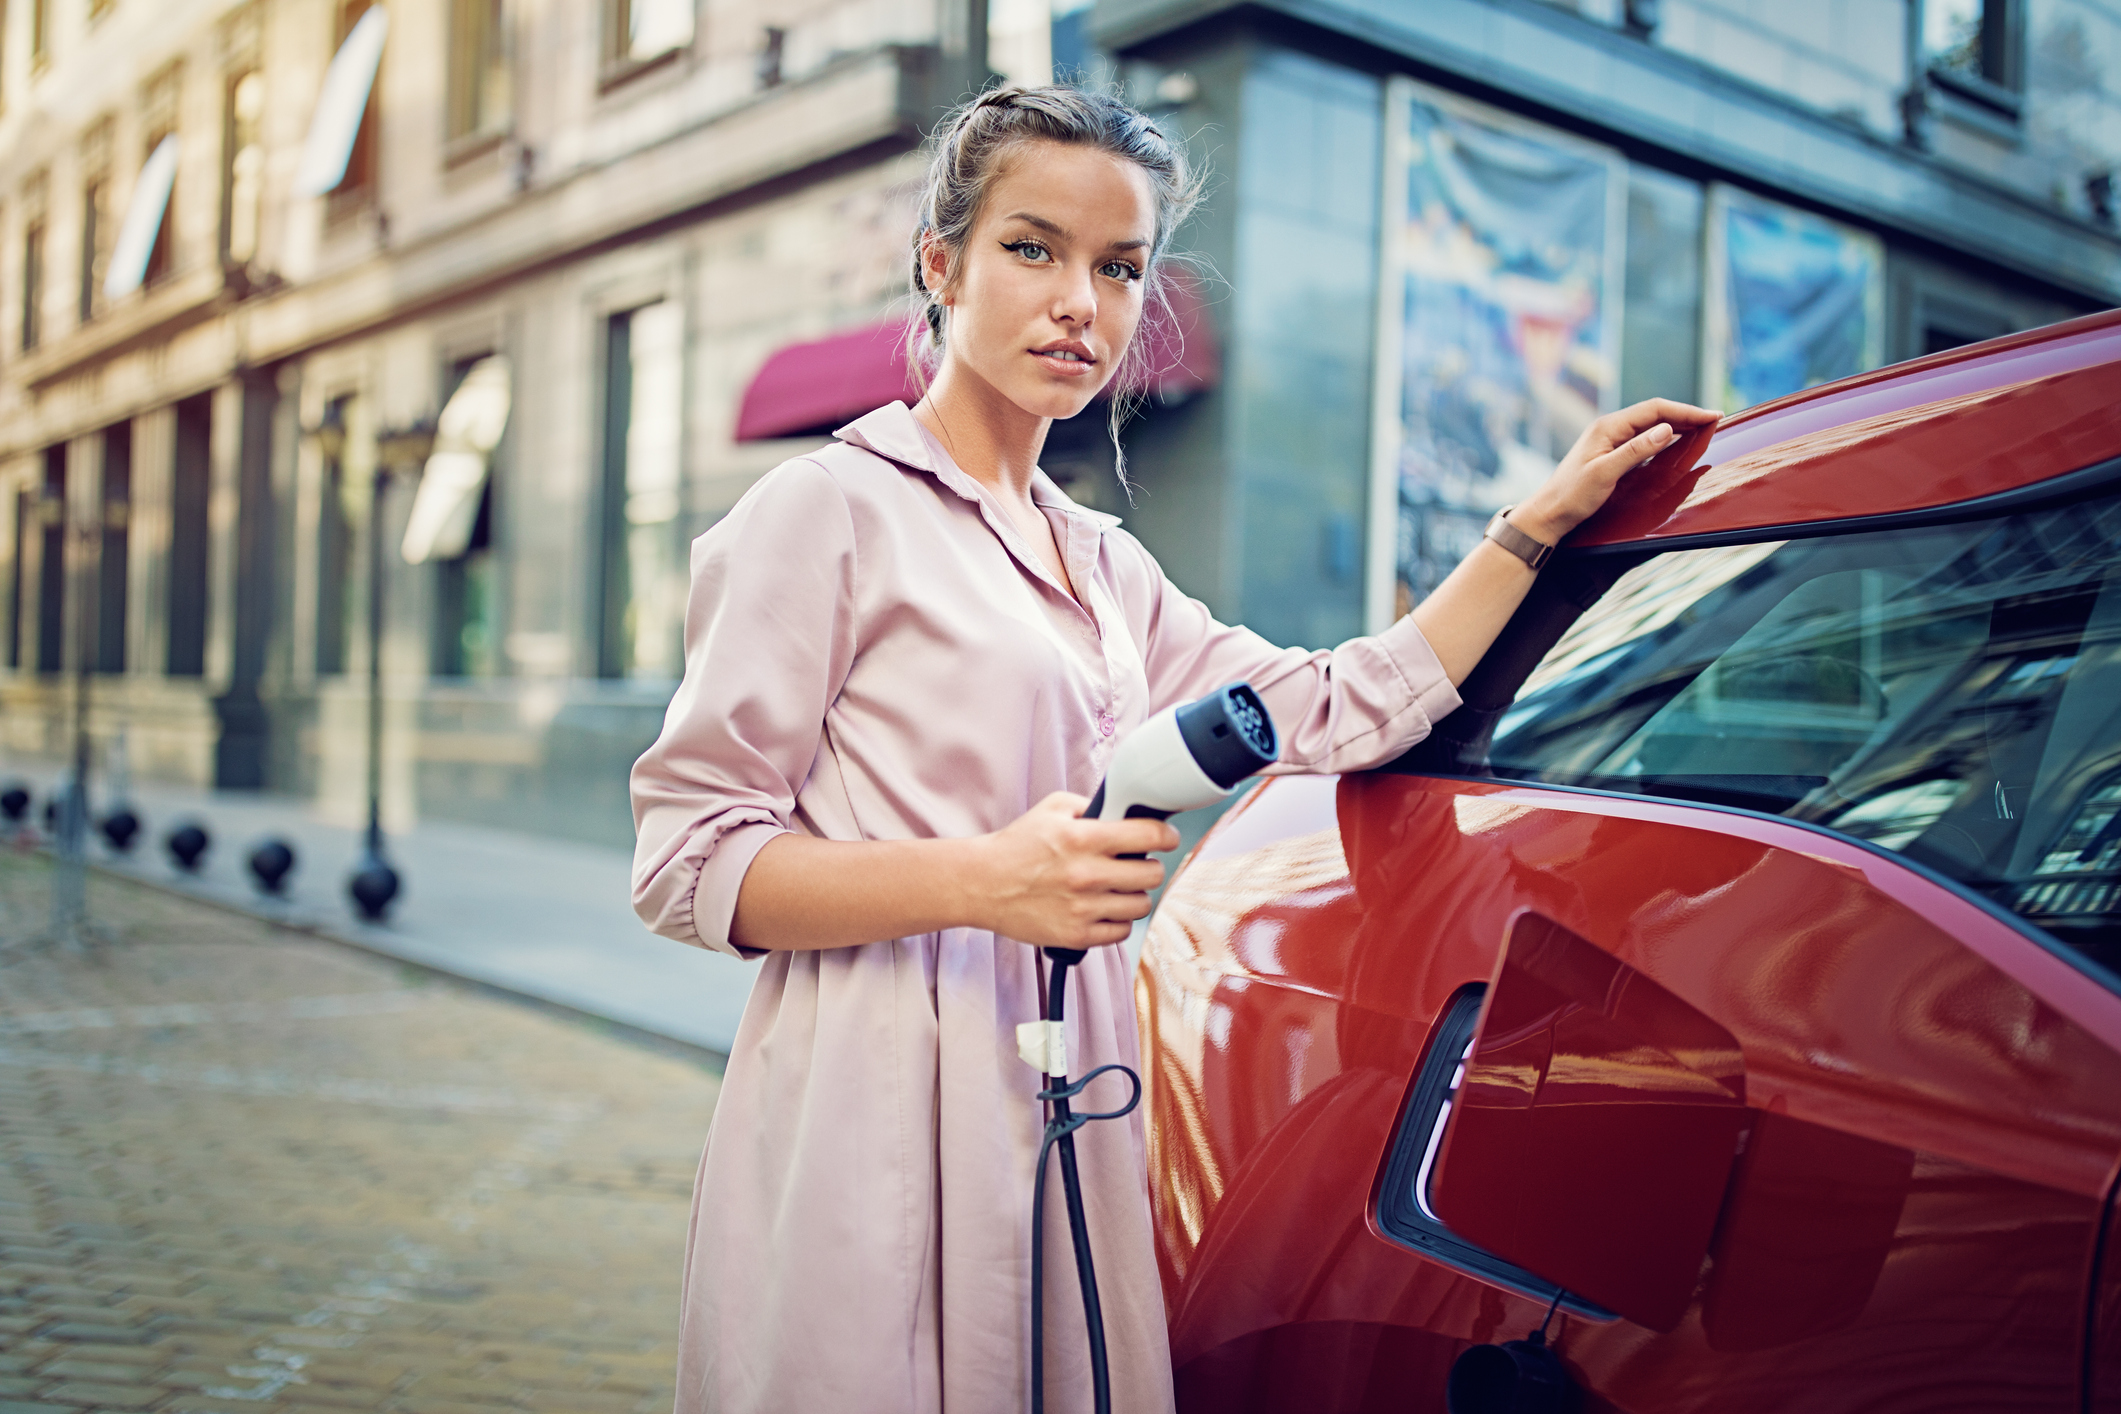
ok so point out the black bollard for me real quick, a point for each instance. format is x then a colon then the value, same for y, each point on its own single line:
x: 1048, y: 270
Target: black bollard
x: 271, y: 863
x: 51, y: 815
x: 14, y: 803
x: 120, y: 827
x: 372, y: 887
x: 186, y: 844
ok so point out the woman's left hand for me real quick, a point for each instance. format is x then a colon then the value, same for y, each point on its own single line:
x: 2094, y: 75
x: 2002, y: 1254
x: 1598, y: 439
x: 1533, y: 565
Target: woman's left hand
x: 1609, y: 449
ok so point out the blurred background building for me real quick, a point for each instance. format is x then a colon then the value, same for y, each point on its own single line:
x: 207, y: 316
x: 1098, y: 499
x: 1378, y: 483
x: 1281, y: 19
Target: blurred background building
x: 525, y: 293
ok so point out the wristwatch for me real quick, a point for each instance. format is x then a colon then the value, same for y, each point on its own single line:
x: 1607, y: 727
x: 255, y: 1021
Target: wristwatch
x: 1534, y: 553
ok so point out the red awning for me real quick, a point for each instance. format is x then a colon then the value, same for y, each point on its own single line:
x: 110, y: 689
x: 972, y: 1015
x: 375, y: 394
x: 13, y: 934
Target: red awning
x: 812, y: 388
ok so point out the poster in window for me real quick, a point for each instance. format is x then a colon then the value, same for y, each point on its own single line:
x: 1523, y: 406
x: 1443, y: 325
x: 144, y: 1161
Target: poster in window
x: 1499, y: 324
x: 1791, y: 300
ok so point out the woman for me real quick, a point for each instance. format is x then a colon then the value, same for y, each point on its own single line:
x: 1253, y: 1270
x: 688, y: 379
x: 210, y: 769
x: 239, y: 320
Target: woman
x: 908, y: 659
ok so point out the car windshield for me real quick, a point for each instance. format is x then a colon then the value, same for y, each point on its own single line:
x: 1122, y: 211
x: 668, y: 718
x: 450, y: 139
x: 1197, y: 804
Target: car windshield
x: 1951, y: 693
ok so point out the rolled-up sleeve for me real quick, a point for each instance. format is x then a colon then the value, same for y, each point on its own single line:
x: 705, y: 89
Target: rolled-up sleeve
x: 1347, y: 709
x: 768, y: 642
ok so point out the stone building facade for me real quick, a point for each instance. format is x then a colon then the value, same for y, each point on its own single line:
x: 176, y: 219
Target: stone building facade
x: 633, y: 203
x: 636, y: 202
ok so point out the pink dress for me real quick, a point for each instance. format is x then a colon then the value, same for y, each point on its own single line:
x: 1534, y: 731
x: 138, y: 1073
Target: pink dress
x: 873, y: 652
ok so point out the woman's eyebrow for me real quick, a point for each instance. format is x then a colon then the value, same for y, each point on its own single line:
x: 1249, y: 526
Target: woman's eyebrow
x: 1054, y: 228
x: 1051, y: 228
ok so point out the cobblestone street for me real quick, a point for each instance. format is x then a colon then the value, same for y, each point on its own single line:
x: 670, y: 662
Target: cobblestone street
x: 242, y: 1169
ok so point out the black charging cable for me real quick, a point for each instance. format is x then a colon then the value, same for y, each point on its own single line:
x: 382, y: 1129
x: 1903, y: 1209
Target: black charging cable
x: 1061, y: 1124
x: 1228, y: 735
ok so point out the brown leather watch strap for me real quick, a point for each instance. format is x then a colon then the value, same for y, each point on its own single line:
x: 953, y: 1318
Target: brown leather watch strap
x: 1535, y: 553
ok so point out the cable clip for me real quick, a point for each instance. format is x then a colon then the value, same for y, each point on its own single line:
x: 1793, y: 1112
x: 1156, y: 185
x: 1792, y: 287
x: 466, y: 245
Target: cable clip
x: 1043, y: 1046
x: 1074, y: 1121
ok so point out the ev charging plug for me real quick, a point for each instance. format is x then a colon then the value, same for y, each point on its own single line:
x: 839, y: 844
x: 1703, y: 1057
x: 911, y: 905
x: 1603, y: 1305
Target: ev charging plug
x: 1187, y: 756
x: 1180, y: 759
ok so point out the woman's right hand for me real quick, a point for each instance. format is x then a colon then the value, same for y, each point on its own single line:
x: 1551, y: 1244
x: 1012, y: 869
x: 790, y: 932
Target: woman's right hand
x: 1054, y: 880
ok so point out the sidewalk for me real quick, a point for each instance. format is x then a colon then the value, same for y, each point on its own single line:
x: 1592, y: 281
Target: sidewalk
x: 248, y: 1171
x: 543, y: 918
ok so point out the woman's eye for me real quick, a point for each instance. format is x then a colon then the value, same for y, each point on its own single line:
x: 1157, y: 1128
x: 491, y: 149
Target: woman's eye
x: 1029, y: 250
x: 1119, y: 270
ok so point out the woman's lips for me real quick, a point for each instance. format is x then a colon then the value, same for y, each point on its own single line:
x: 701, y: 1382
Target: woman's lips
x: 1060, y: 362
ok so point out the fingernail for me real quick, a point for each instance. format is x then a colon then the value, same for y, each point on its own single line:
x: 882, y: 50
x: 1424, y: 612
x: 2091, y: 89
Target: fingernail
x: 1661, y: 433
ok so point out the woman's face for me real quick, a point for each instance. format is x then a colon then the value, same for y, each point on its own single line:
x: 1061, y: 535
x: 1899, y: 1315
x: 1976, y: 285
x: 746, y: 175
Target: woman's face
x: 1049, y: 284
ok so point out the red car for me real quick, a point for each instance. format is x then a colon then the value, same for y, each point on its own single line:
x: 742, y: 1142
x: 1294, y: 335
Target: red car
x: 1737, y: 973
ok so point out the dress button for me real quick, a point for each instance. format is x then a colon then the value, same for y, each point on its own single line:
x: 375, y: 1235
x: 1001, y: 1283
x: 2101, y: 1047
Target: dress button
x: 1104, y: 724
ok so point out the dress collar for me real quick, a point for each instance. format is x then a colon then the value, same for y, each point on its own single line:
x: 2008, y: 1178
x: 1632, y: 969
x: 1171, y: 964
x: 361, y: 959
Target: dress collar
x: 894, y: 433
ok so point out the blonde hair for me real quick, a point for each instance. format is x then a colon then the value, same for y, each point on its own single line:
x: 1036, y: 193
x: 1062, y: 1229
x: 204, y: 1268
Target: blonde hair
x: 966, y: 155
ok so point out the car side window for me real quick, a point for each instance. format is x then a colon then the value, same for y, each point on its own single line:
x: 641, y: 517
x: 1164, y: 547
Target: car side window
x: 1952, y: 693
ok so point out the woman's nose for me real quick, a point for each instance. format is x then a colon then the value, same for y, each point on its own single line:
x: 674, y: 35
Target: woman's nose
x: 1076, y: 300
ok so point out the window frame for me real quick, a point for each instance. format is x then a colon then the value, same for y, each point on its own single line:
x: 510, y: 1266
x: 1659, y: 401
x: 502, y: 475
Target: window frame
x: 1998, y: 92
x: 54, y: 518
x: 233, y: 78
x: 161, y: 105
x: 114, y: 493
x: 36, y: 263
x: 360, y: 190
x: 450, y: 599
x: 22, y: 501
x: 467, y: 75
x: 616, y: 66
x: 99, y: 223
x: 615, y: 534
x: 187, y: 556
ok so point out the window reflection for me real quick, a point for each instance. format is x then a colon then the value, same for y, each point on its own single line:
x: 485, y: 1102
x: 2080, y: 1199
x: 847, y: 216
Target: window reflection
x: 1951, y: 693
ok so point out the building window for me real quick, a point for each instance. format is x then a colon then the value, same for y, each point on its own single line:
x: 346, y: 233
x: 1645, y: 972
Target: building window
x: 95, y: 243
x: 242, y: 167
x: 25, y: 513
x: 643, y: 581
x: 1790, y: 300
x: 335, y: 551
x: 51, y: 567
x: 773, y: 57
x: 34, y: 256
x: 1491, y: 397
x: 158, y: 105
x: 98, y: 230
x: 113, y: 564
x: 1660, y: 338
x: 638, y: 32
x: 1971, y: 48
x: 479, y: 96
x: 467, y: 628
x: 190, y: 491
x: 33, y: 284
x: 356, y: 190
x: 242, y: 148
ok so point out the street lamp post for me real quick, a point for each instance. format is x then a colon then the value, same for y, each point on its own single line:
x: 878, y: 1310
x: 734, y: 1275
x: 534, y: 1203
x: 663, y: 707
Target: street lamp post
x: 375, y: 883
x: 69, y: 884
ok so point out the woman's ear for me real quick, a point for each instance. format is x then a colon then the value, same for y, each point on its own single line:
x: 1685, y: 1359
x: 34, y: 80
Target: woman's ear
x: 935, y: 266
